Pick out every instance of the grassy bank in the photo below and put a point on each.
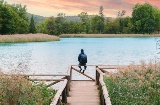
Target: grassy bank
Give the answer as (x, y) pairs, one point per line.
(15, 90)
(135, 85)
(27, 38)
(107, 35)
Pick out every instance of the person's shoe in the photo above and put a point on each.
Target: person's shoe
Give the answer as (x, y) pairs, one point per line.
(80, 70)
(83, 71)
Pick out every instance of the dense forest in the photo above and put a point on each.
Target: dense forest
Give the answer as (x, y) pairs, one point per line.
(14, 19)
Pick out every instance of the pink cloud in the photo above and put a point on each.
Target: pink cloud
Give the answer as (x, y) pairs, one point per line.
(70, 7)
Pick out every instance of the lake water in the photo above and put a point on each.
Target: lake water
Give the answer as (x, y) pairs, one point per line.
(55, 57)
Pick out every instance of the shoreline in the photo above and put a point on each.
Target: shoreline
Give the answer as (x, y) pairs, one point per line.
(106, 35)
(20, 38)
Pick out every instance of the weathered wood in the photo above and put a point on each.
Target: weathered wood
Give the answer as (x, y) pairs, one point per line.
(68, 85)
(104, 91)
(46, 79)
(97, 65)
(83, 93)
(26, 75)
(53, 83)
(109, 68)
(58, 94)
(64, 96)
(83, 74)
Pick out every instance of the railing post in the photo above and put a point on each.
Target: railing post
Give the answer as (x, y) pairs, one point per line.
(71, 73)
(68, 85)
(102, 99)
(64, 96)
(97, 76)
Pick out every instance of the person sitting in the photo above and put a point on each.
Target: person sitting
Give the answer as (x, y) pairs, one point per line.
(82, 58)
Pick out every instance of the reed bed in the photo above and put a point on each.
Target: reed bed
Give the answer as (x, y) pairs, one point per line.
(107, 35)
(135, 85)
(27, 38)
(16, 90)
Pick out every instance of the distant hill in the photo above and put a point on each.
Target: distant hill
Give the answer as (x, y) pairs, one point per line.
(36, 18)
(73, 18)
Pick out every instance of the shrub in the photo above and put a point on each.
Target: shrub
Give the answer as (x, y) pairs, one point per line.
(16, 90)
(135, 85)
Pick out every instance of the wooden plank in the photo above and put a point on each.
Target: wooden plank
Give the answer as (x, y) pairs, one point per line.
(34, 75)
(83, 74)
(58, 94)
(55, 82)
(105, 92)
(46, 79)
(97, 65)
(83, 93)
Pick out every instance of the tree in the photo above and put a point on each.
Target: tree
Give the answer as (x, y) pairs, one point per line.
(84, 19)
(59, 21)
(143, 18)
(32, 26)
(97, 24)
(157, 19)
(50, 26)
(10, 20)
(101, 13)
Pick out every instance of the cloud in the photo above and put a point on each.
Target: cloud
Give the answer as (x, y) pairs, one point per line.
(74, 7)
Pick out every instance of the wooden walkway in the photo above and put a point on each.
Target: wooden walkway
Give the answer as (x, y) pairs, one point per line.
(83, 93)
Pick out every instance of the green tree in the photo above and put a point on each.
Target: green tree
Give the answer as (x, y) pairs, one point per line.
(101, 13)
(121, 20)
(97, 24)
(143, 18)
(10, 21)
(84, 19)
(32, 26)
(50, 26)
(59, 21)
(157, 19)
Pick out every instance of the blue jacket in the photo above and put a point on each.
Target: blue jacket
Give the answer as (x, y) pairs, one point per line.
(81, 55)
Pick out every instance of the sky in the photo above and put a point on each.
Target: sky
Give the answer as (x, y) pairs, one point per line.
(49, 8)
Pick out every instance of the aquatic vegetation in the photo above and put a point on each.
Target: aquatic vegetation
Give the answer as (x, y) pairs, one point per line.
(135, 85)
(17, 90)
(27, 38)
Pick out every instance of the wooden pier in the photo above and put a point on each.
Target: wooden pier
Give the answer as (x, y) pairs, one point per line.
(83, 93)
(78, 92)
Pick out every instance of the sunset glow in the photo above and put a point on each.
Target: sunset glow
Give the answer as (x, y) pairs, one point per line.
(74, 7)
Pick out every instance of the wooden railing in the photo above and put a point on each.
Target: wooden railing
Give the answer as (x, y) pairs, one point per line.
(104, 96)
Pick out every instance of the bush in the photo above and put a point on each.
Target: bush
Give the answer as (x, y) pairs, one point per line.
(136, 85)
(16, 90)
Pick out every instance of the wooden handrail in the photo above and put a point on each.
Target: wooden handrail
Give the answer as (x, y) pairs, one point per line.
(46, 79)
(104, 97)
(104, 91)
(97, 65)
(58, 94)
(34, 75)
(83, 74)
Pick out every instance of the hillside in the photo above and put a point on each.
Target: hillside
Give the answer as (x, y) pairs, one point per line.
(37, 18)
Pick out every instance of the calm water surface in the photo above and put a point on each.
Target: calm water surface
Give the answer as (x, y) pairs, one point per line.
(55, 57)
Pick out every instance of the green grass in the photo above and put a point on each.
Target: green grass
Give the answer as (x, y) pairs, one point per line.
(15, 90)
(27, 38)
(135, 86)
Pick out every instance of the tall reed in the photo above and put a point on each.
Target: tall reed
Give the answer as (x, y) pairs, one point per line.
(135, 85)
(16, 90)
(27, 38)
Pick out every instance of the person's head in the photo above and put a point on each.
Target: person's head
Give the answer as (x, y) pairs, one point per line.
(82, 51)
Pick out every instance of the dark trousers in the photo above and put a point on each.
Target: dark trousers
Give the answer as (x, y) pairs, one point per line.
(81, 64)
